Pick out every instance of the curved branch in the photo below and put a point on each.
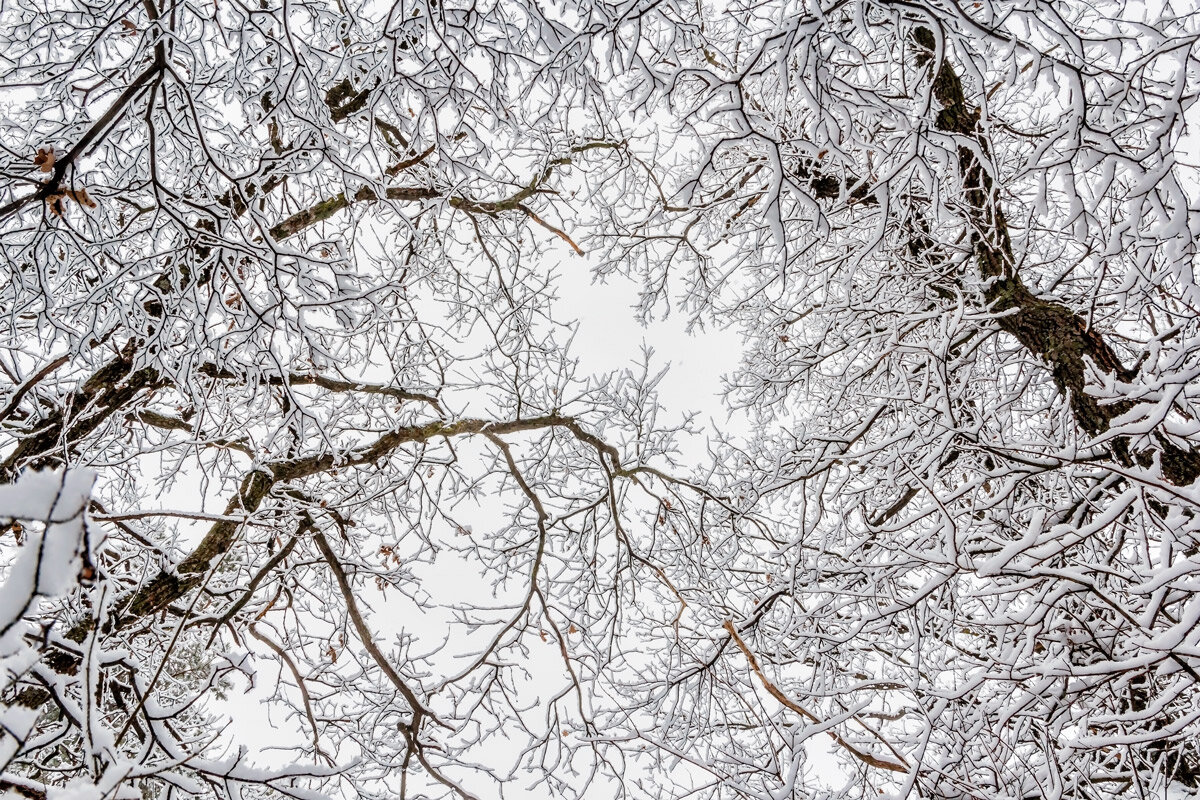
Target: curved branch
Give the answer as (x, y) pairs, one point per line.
(325, 209)
(867, 758)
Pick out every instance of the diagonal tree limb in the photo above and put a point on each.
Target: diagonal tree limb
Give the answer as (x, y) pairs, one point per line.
(1050, 330)
(869, 759)
(53, 186)
(256, 486)
(420, 712)
(418, 708)
(106, 392)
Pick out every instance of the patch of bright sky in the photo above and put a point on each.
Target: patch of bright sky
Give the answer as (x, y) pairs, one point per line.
(610, 338)
(1187, 154)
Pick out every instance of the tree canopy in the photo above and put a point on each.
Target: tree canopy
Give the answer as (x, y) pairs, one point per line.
(308, 496)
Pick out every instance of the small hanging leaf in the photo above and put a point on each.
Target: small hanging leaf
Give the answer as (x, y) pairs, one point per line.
(82, 197)
(44, 159)
(55, 201)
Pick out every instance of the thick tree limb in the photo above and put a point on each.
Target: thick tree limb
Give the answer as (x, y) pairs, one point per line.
(106, 392)
(1050, 330)
(169, 587)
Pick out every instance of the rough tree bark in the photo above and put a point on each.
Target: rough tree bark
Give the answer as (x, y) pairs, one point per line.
(1050, 330)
